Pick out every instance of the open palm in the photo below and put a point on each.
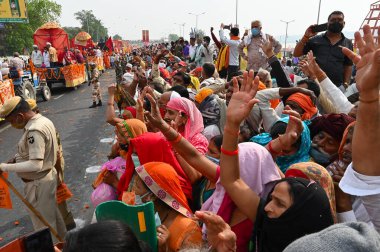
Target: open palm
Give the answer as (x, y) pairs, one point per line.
(367, 63)
(242, 100)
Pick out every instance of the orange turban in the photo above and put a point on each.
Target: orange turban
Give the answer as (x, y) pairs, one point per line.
(205, 92)
(305, 103)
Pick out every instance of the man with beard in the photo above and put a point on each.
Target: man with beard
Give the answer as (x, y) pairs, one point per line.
(327, 49)
(34, 161)
(327, 133)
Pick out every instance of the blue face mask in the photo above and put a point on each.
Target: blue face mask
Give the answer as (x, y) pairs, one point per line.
(319, 157)
(255, 31)
(138, 198)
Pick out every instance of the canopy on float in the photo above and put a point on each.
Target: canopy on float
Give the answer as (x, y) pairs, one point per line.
(53, 33)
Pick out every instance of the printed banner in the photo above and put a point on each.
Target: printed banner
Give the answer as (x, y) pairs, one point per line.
(13, 11)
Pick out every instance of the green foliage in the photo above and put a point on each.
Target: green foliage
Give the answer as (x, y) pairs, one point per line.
(18, 37)
(117, 37)
(72, 31)
(91, 24)
(173, 37)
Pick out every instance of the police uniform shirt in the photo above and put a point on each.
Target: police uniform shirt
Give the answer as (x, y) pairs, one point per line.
(38, 142)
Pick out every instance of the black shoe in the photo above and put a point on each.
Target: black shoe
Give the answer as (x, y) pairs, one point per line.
(93, 105)
(100, 103)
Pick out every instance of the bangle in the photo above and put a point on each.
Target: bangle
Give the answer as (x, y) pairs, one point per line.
(368, 101)
(231, 132)
(177, 139)
(229, 153)
(271, 150)
(110, 104)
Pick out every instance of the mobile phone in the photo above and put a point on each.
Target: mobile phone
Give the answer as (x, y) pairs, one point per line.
(228, 27)
(319, 28)
(39, 241)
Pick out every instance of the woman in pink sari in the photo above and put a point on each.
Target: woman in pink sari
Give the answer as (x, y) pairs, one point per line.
(183, 115)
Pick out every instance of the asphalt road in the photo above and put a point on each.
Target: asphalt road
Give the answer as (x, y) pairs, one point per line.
(81, 130)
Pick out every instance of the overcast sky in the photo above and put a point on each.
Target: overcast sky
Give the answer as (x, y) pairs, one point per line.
(128, 18)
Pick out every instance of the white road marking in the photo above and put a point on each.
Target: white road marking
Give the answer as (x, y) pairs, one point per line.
(56, 98)
(5, 128)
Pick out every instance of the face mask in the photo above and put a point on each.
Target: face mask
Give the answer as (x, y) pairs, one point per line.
(255, 31)
(335, 27)
(319, 157)
(214, 160)
(138, 198)
(162, 65)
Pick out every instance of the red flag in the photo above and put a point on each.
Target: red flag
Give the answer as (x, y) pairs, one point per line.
(109, 44)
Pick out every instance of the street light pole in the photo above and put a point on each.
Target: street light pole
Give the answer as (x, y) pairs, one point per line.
(236, 23)
(319, 10)
(286, 33)
(196, 18)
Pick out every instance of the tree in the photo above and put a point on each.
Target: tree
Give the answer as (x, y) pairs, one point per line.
(72, 31)
(91, 24)
(17, 37)
(117, 37)
(173, 37)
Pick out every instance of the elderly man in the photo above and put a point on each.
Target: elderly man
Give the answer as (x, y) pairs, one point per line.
(52, 55)
(327, 133)
(34, 161)
(36, 56)
(256, 58)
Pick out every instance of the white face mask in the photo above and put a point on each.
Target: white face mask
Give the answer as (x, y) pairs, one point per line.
(162, 65)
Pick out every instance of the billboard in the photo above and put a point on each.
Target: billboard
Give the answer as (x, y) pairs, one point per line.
(13, 11)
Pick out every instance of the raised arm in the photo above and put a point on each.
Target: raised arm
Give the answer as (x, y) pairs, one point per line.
(238, 109)
(335, 95)
(216, 41)
(278, 72)
(366, 139)
(299, 49)
(187, 151)
(110, 111)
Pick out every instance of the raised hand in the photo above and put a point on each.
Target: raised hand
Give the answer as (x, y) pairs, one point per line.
(219, 234)
(268, 47)
(293, 130)
(367, 63)
(154, 116)
(309, 32)
(242, 99)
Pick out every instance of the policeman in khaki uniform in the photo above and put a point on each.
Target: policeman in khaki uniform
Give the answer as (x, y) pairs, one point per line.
(34, 161)
(59, 167)
(96, 94)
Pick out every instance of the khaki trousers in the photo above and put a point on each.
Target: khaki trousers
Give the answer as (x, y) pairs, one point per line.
(41, 194)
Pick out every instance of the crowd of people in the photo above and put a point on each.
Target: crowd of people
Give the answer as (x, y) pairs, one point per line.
(254, 160)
